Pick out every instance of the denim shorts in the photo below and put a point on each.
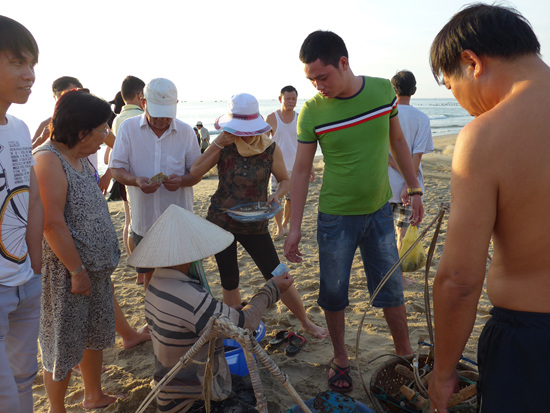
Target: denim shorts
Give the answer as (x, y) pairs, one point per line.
(338, 237)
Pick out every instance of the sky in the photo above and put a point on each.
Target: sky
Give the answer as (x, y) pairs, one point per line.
(212, 49)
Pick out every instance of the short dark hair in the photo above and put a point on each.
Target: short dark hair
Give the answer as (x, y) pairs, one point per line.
(131, 86)
(493, 31)
(404, 83)
(288, 89)
(324, 45)
(16, 38)
(61, 84)
(77, 111)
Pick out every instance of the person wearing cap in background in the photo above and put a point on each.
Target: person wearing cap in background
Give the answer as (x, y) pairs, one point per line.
(204, 136)
(246, 158)
(152, 156)
(178, 306)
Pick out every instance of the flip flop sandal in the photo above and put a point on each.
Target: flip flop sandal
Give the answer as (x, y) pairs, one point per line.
(342, 373)
(295, 344)
(280, 337)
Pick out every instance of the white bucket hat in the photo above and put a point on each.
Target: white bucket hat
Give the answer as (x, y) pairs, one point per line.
(244, 117)
(178, 237)
(162, 98)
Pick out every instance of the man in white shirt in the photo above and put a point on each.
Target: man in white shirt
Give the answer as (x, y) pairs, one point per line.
(159, 146)
(418, 134)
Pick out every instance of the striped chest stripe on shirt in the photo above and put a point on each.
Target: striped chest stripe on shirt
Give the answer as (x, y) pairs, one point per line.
(356, 120)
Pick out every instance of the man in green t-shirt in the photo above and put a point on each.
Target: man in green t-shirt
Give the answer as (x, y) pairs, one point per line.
(354, 120)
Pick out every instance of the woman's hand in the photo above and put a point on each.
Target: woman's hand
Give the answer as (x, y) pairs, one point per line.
(80, 283)
(273, 198)
(225, 139)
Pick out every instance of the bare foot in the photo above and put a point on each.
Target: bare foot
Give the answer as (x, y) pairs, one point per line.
(315, 330)
(285, 230)
(139, 280)
(135, 338)
(103, 401)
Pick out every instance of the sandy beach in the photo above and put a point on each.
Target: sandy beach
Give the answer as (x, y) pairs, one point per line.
(130, 371)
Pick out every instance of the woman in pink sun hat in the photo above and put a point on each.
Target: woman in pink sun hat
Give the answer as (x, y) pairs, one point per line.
(246, 158)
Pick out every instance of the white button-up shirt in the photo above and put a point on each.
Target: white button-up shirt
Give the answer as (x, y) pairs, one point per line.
(138, 150)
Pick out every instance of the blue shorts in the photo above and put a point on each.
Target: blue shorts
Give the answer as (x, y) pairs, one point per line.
(513, 362)
(338, 237)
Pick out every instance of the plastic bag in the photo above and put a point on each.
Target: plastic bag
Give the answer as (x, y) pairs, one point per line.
(417, 257)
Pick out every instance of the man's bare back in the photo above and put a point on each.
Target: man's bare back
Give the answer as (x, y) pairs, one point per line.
(500, 184)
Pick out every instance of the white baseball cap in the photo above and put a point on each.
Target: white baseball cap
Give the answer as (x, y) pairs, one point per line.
(162, 98)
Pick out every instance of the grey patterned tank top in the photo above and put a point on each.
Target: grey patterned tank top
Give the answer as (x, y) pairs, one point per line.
(87, 216)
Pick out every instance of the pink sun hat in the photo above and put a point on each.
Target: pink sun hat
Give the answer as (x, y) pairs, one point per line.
(244, 117)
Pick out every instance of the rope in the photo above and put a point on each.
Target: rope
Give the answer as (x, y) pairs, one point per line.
(220, 325)
(443, 209)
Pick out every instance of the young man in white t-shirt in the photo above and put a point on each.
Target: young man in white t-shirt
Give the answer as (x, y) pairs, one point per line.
(22, 222)
(418, 134)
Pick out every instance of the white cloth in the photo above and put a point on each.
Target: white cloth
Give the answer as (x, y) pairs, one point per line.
(16, 162)
(139, 151)
(286, 137)
(418, 134)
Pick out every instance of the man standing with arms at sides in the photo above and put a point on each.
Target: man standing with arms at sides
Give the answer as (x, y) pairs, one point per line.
(489, 57)
(283, 132)
(351, 117)
(22, 224)
(155, 145)
(204, 136)
(418, 134)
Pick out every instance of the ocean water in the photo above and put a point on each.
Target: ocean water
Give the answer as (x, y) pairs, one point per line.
(446, 115)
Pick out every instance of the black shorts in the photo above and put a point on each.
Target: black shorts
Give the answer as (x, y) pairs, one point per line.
(514, 365)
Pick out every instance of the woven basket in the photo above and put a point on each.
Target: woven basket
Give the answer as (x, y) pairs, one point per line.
(385, 381)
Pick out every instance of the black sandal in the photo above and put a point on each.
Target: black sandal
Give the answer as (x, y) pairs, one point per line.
(342, 373)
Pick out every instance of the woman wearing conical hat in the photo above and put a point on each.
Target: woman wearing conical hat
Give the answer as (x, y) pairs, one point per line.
(178, 306)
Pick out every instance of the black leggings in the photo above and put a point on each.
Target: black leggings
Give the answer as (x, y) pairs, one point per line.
(261, 250)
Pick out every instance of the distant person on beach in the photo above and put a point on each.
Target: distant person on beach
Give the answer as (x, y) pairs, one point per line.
(132, 94)
(80, 251)
(246, 158)
(416, 128)
(204, 136)
(179, 305)
(21, 249)
(152, 156)
(58, 86)
(489, 57)
(283, 132)
(351, 118)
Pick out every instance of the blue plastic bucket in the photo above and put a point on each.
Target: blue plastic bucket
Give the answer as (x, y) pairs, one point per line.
(235, 355)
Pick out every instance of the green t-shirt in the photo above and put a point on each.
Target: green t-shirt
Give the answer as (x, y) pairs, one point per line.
(354, 137)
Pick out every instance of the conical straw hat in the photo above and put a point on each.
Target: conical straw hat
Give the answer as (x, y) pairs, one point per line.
(178, 237)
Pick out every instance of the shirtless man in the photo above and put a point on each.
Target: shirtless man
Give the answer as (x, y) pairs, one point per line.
(286, 137)
(488, 56)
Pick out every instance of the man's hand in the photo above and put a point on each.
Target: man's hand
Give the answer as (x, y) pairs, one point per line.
(440, 391)
(405, 198)
(146, 187)
(173, 183)
(80, 284)
(284, 281)
(291, 251)
(417, 210)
